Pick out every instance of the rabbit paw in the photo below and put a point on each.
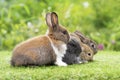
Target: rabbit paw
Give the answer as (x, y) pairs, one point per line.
(83, 61)
(80, 62)
(60, 63)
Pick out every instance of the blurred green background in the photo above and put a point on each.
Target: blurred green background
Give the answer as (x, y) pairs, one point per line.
(97, 19)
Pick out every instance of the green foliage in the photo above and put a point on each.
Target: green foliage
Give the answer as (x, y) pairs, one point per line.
(103, 68)
(22, 19)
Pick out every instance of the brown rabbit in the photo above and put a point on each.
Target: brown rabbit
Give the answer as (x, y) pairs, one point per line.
(92, 44)
(86, 54)
(42, 50)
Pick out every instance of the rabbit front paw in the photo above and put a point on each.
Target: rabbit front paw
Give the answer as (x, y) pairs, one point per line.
(60, 63)
(80, 62)
(83, 61)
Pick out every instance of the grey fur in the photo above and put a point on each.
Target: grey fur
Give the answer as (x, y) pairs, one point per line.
(72, 53)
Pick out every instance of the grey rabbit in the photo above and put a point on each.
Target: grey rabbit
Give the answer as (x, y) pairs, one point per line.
(73, 51)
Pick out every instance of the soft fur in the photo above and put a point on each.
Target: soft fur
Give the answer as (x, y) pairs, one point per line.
(92, 44)
(42, 50)
(77, 51)
(86, 54)
(72, 55)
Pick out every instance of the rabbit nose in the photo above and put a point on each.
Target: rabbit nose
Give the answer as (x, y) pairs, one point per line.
(89, 54)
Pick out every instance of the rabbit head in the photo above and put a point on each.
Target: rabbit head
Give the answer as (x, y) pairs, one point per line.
(92, 44)
(87, 53)
(56, 31)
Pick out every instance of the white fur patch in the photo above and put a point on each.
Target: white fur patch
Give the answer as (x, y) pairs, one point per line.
(59, 53)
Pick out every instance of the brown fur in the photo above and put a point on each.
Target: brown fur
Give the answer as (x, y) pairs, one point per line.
(31, 52)
(38, 50)
(92, 44)
(87, 53)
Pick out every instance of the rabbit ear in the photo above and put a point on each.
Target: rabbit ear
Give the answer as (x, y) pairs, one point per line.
(81, 36)
(48, 19)
(52, 20)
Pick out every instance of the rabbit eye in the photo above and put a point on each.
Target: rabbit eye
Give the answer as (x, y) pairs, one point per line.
(64, 32)
(89, 54)
(92, 45)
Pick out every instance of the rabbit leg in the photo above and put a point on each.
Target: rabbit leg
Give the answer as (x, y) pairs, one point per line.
(28, 58)
(20, 60)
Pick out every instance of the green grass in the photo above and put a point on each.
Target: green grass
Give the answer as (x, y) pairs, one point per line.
(106, 66)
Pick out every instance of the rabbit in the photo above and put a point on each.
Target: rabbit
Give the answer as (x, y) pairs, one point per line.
(92, 44)
(87, 54)
(45, 49)
(73, 51)
(77, 52)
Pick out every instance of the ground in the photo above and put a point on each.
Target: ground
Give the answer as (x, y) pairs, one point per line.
(106, 66)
